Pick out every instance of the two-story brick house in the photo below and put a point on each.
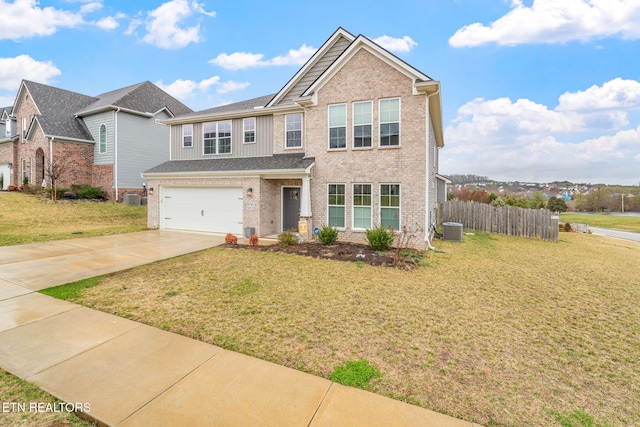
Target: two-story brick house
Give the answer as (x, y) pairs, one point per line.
(104, 140)
(351, 141)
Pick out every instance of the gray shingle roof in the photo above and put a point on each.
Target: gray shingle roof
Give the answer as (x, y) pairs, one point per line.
(275, 162)
(144, 97)
(7, 109)
(247, 105)
(57, 110)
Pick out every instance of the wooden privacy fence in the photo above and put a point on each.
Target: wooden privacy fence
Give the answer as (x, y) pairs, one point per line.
(508, 220)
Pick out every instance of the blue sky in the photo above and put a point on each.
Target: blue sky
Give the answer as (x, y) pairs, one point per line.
(536, 90)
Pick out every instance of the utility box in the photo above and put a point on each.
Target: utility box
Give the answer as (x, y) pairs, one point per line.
(132, 199)
(249, 231)
(452, 231)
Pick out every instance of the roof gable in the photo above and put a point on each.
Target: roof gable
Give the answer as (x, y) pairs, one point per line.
(314, 67)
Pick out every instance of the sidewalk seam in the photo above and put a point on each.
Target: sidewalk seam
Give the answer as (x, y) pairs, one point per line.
(320, 404)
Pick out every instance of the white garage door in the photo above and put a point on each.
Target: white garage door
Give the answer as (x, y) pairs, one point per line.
(217, 210)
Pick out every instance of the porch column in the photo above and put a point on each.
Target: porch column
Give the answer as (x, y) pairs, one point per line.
(305, 198)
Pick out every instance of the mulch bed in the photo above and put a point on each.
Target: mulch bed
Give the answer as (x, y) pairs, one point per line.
(346, 251)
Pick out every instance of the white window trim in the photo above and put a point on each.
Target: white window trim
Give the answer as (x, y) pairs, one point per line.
(353, 126)
(381, 123)
(344, 206)
(244, 130)
(217, 139)
(399, 207)
(301, 132)
(329, 127)
(353, 205)
(100, 141)
(182, 130)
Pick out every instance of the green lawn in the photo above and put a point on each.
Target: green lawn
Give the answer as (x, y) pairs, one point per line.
(28, 218)
(624, 223)
(497, 330)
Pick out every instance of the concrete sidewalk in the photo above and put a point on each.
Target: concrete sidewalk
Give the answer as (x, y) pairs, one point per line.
(131, 374)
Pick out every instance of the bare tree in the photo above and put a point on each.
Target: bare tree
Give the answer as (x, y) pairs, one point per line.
(54, 171)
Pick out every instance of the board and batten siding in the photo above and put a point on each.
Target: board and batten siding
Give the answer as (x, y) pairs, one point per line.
(142, 144)
(262, 147)
(93, 123)
(320, 67)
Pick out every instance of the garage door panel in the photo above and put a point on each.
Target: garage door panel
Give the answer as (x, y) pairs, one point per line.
(203, 209)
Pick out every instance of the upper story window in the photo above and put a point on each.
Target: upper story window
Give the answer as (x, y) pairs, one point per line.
(187, 135)
(103, 139)
(389, 122)
(249, 129)
(217, 137)
(293, 130)
(24, 128)
(362, 124)
(337, 126)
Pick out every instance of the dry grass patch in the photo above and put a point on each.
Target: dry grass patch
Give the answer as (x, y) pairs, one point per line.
(27, 218)
(497, 330)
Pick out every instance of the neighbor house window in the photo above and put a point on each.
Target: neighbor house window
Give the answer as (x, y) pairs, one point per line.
(187, 135)
(249, 128)
(390, 206)
(336, 203)
(362, 124)
(217, 137)
(389, 122)
(103, 139)
(337, 126)
(293, 130)
(362, 206)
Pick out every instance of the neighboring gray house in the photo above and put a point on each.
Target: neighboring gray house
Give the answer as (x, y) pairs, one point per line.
(352, 140)
(105, 141)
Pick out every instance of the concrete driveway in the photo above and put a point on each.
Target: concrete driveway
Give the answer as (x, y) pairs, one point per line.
(42, 265)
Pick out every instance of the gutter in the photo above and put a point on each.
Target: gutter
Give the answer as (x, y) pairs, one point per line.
(115, 152)
(429, 225)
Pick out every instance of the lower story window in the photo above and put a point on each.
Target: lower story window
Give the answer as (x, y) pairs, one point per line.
(390, 206)
(336, 203)
(362, 206)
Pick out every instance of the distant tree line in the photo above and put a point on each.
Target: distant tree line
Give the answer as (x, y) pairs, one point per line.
(599, 199)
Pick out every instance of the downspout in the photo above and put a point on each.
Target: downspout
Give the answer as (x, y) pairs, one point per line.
(51, 161)
(115, 152)
(428, 232)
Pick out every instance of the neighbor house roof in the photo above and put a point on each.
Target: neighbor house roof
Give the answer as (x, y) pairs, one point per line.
(57, 108)
(145, 98)
(5, 110)
(250, 165)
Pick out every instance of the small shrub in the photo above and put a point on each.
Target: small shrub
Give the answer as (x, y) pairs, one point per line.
(380, 238)
(25, 181)
(567, 227)
(355, 373)
(253, 241)
(12, 188)
(85, 191)
(327, 235)
(287, 238)
(59, 192)
(230, 239)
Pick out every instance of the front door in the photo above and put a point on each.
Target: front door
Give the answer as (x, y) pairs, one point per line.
(290, 208)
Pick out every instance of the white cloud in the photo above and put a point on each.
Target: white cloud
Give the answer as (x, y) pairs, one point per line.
(404, 44)
(242, 60)
(13, 70)
(108, 23)
(25, 19)
(91, 7)
(185, 89)
(617, 93)
(166, 28)
(231, 86)
(555, 21)
(582, 139)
